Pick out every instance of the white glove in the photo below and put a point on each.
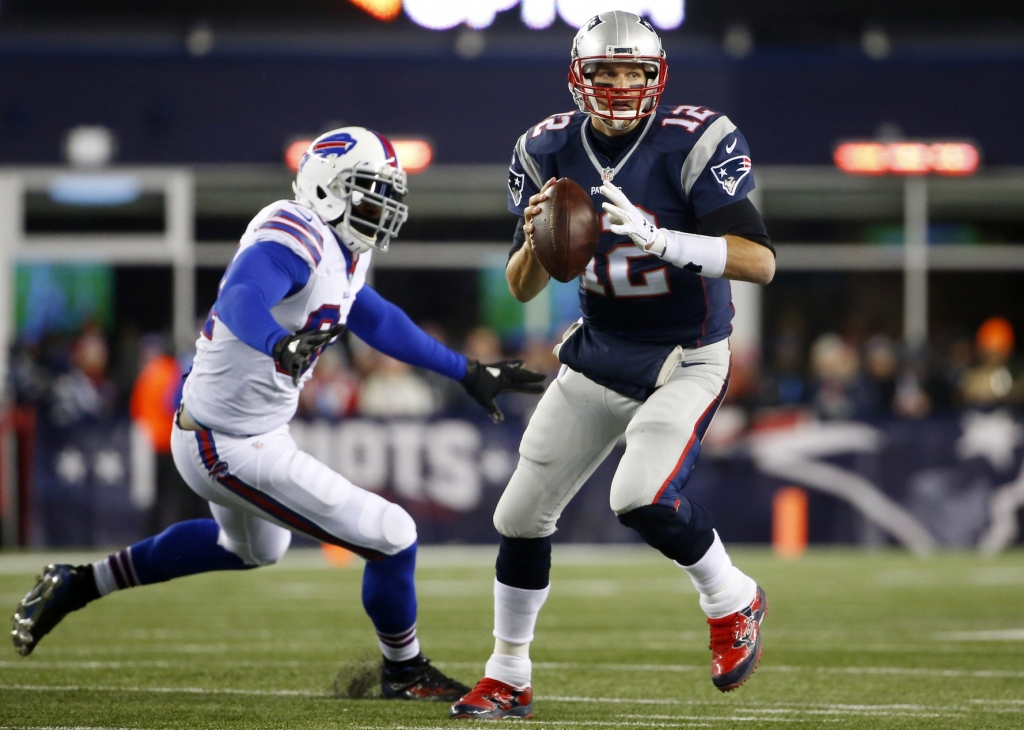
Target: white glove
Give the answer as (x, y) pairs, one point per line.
(627, 220)
(704, 255)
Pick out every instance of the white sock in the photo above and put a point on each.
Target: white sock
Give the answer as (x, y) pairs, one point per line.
(723, 587)
(515, 616)
(115, 572)
(399, 647)
(513, 670)
(515, 612)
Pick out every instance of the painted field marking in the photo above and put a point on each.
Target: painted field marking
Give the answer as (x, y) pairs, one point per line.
(992, 635)
(907, 671)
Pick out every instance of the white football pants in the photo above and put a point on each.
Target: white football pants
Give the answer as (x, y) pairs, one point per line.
(576, 424)
(262, 488)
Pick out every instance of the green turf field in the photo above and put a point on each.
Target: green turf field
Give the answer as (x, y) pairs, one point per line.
(852, 640)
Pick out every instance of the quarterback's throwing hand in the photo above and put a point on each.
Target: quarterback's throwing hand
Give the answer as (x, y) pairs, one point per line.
(294, 353)
(627, 220)
(483, 382)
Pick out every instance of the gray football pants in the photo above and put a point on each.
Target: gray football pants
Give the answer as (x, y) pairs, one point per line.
(576, 424)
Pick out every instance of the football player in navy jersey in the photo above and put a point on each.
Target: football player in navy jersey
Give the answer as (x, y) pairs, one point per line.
(650, 356)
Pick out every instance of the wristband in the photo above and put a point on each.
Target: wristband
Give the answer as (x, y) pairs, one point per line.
(704, 255)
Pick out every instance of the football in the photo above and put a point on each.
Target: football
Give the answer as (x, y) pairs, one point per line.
(565, 231)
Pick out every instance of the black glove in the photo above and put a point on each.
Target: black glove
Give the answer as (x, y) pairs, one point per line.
(294, 353)
(483, 382)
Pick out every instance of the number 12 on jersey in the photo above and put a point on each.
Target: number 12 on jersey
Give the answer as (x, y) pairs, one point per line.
(623, 272)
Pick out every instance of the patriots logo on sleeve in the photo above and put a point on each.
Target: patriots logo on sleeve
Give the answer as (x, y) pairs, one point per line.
(515, 185)
(731, 172)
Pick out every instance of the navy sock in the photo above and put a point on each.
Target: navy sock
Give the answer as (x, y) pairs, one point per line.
(182, 549)
(389, 597)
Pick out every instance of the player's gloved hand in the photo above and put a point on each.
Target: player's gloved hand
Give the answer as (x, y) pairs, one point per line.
(483, 382)
(294, 353)
(627, 220)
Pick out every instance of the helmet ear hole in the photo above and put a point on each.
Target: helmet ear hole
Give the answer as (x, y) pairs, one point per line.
(320, 192)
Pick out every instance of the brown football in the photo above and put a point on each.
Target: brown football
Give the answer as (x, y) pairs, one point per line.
(565, 231)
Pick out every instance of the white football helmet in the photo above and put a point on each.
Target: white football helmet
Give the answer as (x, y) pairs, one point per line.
(352, 179)
(619, 37)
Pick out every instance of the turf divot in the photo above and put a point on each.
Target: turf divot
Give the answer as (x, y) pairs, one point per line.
(358, 679)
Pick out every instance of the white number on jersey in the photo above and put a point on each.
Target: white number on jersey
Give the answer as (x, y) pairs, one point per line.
(697, 116)
(617, 272)
(555, 121)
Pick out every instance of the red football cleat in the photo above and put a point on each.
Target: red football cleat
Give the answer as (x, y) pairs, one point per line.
(736, 644)
(493, 700)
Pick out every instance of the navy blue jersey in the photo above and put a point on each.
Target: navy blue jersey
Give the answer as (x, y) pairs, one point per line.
(686, 162)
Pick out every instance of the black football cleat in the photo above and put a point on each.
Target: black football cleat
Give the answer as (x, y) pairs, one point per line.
(60, 590)
(417, 679)
(493, 700)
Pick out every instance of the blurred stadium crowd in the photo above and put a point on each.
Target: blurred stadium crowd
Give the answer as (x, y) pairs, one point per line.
(77, 377)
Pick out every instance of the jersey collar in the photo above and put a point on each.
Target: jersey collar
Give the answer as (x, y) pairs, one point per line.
(608, 173)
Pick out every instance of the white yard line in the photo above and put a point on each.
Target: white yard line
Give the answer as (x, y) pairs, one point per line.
(996, 635)
(897, 671)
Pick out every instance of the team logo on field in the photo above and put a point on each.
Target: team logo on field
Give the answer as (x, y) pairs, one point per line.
(515, 185)
(731, 172)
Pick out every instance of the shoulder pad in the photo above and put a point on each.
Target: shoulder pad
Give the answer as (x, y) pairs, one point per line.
(545, 138)
(293, 225)
(551, 134)
(687, 120)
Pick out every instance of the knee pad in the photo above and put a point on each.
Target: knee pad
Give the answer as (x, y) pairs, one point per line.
(683, 535)
(399, 528)
(265, 548)
(524, 562)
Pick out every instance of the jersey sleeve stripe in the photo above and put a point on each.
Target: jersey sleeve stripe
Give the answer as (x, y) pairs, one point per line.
(294, 233)
(530, 166)
(703, 151)
(313, 232)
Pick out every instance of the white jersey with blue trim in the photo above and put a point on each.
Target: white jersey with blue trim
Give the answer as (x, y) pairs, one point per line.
(236, 389)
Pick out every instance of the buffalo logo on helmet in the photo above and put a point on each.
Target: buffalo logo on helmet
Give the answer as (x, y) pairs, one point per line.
(731, 172)
(335, 144)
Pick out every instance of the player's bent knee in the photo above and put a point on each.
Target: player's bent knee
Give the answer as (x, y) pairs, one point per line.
(264, 549)
(399, 529)
(682, 534)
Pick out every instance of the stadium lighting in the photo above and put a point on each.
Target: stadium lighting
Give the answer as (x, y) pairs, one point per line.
(293, 153)
(907, 158)
(386, 10)
(415, 155)
(536, 14)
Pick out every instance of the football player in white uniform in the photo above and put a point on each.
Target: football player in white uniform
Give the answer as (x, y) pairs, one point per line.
(297, 280)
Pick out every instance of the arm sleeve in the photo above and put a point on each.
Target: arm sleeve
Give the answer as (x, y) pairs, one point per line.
(385, 327)
(736, 219)
(524, 179)
(518, 239)
(260, 277)
(718, 170)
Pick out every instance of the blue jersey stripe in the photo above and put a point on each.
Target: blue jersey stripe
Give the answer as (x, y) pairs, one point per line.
(297, 235)
(298, 220)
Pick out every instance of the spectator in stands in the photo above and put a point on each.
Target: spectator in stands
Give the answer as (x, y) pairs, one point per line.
(989, 382)
(333, 391)
(835, 369)
(783, 383)
(84, 392)
(154, 400)
(881, 365)
(392, 389)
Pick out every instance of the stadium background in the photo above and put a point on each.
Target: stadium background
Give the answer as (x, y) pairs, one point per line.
(877, 374)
